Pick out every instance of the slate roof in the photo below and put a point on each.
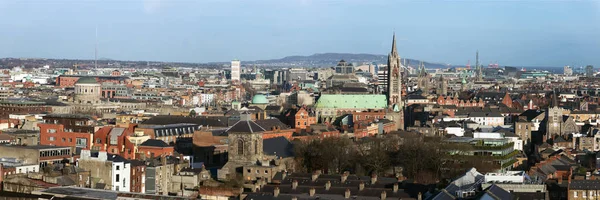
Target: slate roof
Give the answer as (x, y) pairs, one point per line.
(154, 143)
(584, 185)
(497, 193)
(267, 124)
(278, 146)
(211, 121)
(243, 126)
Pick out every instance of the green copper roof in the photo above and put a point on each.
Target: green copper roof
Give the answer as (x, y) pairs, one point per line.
(259, 99)
(366, 101)
(87, 80)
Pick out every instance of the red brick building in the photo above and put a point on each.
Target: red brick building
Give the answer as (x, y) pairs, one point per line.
(155, 148)
(67, 130)
(458, 102)
(138, 173)
(114, 140)
(22, 107)
(301, 118)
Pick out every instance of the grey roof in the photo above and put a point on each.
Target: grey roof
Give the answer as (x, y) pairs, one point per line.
(496, 192)
(87, 80)
(211, 121)
(243, 126)
(278, 146)
(267, 124)
(154, 143)
(584, 185)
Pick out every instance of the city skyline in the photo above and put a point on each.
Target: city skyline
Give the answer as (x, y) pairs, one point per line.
(512, 33)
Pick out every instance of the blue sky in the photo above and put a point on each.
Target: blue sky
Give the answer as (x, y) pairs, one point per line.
(525, 33)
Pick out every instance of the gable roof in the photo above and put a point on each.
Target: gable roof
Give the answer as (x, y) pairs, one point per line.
(154, 143)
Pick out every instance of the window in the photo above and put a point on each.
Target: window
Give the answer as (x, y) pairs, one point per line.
(117, 179)
(98, 140)
(51, 138)
(575, 194)
(81, 142)
(256, 147)
(64, 140)
(117, 167)
(51, 130)
(266, 172)
(240, 147)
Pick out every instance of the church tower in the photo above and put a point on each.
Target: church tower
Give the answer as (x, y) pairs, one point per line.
(394, 90)
(442, 88)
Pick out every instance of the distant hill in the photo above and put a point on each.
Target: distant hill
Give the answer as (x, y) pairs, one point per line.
(331, 59)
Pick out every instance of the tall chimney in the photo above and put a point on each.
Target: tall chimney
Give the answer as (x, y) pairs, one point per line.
(311, 192)
(164, 172)
(373, 178)
(294, 184)
(395, 188)
(344, 176)
(315, 175)
(383, 195)
(327, 185)
(361, 186)
(347, 194)
(276, 192)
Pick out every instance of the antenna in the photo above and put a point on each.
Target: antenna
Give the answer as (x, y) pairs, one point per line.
(96, 50)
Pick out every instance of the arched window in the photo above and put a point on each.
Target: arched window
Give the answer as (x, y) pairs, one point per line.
(255, 147)
(240, 147)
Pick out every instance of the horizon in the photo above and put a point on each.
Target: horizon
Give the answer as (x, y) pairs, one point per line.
(526, 33)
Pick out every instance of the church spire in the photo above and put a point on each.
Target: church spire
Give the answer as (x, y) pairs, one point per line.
(394, 51)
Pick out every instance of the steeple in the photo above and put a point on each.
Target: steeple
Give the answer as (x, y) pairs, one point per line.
(554, 100)
(394, 50)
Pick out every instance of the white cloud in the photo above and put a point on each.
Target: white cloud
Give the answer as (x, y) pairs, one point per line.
(152, 6)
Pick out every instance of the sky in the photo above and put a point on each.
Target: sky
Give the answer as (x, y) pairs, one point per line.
(510, 32)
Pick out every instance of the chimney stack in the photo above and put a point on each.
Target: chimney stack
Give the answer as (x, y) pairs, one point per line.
(314, 176)
(347, 194)
(383, 195)
(361, 186)
(345, 176)
(373, 178)
(311, 192)
(327, 185)
(276, 192)
(294, 184)
(395, 188)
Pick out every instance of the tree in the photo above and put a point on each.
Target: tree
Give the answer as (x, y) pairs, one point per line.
(192, 113)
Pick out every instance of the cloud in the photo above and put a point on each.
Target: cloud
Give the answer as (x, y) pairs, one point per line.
(152, 6)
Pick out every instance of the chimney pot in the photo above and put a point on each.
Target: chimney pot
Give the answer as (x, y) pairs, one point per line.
(395, 187)
(327, 185)
(294, 184)
(347, 194)
(383, 195)
(311, 192)
(361, 186)
(276, 192)
(373, 178)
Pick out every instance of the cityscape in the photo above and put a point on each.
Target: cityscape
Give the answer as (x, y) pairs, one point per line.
(337, 125)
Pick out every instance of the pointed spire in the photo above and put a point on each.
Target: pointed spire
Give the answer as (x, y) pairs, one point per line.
(394, 50)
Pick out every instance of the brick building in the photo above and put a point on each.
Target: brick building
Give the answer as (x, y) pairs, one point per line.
(67, 130)
(155, 148)
(22, 107)
(301, 118)
(70, 80)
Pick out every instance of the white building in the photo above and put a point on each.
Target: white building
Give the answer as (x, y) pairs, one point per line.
(235, 70)
(487, 118)
(121, 173)
(206, 98)
(518, 142)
